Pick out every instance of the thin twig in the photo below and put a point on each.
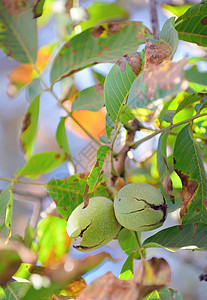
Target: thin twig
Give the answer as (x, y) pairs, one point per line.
(136, 144)
(154, 18)
(120, 166)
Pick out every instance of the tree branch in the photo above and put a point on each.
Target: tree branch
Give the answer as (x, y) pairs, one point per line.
(154, 18)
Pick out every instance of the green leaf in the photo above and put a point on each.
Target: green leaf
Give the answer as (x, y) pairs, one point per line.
(194, 75)
(98, 77)
(127, 240)
(162, 166)
(99, 44)
(118, 83)
(104, 139)
(6, 200)
(41, 163)
(29, 235)
(89, 99)
(68, 192)
(127, 271)
(188, 164)
(109, 125)
(34, 89)
(61, 137)
(170, 35)
(126, 114)
(26, 270)
(188, 236)
(200, 106)
(18, 37)
(156, 83)
(96, 170)
(177, 10)
(100, 12)
(15, 290)
(190, 100)
(191, 26)
(164, 294)
(9, 264)
(38, 8)
(44, 292)
(29, 127)
(52, 240)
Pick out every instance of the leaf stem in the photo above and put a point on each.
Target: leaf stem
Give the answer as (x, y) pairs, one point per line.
(139, 246)
(136, 144)
(113, 172)
(61, 104)
(14, 180)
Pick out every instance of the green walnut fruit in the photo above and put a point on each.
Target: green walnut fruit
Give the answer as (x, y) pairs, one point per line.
(95, 225)
(140, 207)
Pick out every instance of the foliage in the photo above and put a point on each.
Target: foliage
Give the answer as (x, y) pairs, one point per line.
(144, 91)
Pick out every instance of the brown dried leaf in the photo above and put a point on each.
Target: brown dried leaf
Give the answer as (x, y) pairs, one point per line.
(108, 287)
(134, 61)
(69, 269)
(188, 191)
(156, 52)
(167, 185)
(151, 274)
(165, 76)
(74, 288)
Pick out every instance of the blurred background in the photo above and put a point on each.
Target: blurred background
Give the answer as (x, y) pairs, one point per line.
(62, 19)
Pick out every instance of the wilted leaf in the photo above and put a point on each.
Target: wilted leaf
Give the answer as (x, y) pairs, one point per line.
(61, 137)
(29, 127)
(73, 289)
(52, 240)
(89, 99)
(189, 236)
(156, 51)
(18, 37)
(151, 274)
(188, 164)
(6, 200)
(158, 82)
(40, 163)
(98, 44)
(191, 26)
(118, 83)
